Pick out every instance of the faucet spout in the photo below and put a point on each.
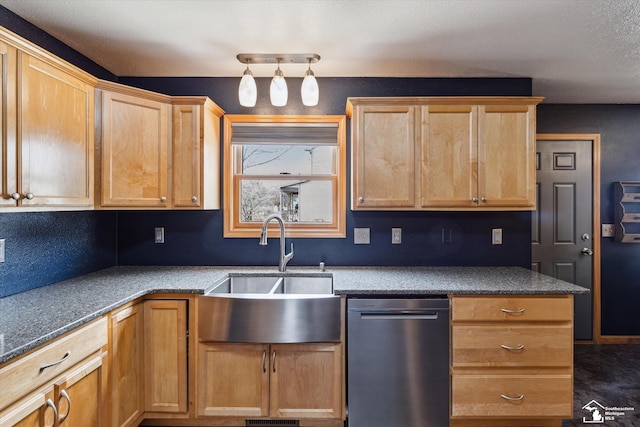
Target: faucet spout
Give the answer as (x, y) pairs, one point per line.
(284, 257)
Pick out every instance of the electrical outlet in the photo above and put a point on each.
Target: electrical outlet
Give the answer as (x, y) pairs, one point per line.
(396, 236)
(361, 236)
(496, 236)
(159, 235)
(1, 250)
(608, 230)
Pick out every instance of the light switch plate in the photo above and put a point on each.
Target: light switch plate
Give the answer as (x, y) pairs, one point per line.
(361, 236)
(159, 235)
(496, 236)
(1, 250)
(608, 230)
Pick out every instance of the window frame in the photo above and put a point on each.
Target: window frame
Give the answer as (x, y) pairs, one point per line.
(232, 225)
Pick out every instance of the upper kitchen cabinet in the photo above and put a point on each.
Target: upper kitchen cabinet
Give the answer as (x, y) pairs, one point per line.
(196, 153)
(471, 153)
(133, 147)
(157, 151)
(46, 158)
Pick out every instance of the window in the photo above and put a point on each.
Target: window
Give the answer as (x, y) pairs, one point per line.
(292, 165)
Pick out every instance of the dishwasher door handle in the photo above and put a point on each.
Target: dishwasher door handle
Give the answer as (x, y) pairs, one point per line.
(399, 315)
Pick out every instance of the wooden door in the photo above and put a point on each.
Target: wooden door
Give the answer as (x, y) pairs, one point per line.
(36, 410)
(80, 396)
(127, 366)
(56, 136)
(8, 118)
(233, 380)
(449, 156)
(506, 156)
(562, 225)
(135, 150)
(383, 149)
(306, 381)
(165, 349)
(187, 155)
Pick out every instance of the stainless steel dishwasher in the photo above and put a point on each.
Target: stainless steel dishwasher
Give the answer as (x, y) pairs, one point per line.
(398, 362)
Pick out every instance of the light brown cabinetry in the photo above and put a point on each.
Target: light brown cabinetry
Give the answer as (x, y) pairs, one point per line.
(165, 350)
(126, 366)
(134, 148)
(47, 152)
(64, 381)
(511, 360)
(295, 381)
(443, 153)
(196, 153)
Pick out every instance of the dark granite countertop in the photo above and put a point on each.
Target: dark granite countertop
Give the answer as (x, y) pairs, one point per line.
(31, 318)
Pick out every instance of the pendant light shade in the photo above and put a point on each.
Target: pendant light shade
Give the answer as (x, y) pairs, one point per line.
(247, 91)
(279, 92)
(309, 90)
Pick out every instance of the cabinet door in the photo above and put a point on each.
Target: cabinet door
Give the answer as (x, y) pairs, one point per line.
(306, 381)
(187, 155)
(80, 396)
(165, 348)
(383, 143)
(449, 156)
(8, 117)
(233, 380)
(135, 144)
(127, 369)
(36, 410)
(56, 136)
(506, 156)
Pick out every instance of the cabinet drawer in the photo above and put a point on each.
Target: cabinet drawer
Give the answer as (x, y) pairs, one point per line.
(508, 346)
(533, 396)
(26, 374)
(512, 308)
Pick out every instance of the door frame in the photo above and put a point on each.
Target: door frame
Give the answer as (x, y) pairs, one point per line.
(594, 139)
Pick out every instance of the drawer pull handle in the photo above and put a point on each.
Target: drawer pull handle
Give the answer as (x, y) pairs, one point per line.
(510, 348)
(52, 405)
(512, 399)
(65, 396)
(510, 311)
(65, 357)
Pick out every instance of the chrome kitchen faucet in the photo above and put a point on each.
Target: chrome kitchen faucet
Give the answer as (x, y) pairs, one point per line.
(284, 259)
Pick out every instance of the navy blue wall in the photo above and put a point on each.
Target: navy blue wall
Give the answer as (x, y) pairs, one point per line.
(619, 129)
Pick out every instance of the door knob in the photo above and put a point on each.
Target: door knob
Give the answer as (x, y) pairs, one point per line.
(587, 251)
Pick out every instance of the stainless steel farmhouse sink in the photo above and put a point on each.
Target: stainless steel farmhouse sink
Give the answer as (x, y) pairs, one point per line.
(270, 309)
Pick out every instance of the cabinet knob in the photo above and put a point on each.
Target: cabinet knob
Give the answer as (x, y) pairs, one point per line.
(15, 196)
(29, 196)
(483, 199)
(163, 199)
(361, 199)
(474, 199)
(194, 199)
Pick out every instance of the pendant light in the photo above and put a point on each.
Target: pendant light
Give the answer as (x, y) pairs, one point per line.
(278, 92)
(247, 91)
(309, 90)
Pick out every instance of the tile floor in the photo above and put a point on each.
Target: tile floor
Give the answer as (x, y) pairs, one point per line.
(610, 375)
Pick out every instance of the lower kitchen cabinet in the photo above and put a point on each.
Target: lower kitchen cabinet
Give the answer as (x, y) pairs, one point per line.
(511, 360)
(62, 382)
(293, 381)
(165, 360)
(126, 366)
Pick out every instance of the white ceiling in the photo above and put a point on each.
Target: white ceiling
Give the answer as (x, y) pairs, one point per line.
(576, 51)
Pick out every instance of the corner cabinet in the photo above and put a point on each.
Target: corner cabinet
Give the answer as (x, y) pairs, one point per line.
(511, 360)
(443, 153)
(157, 151)
(47, 148)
